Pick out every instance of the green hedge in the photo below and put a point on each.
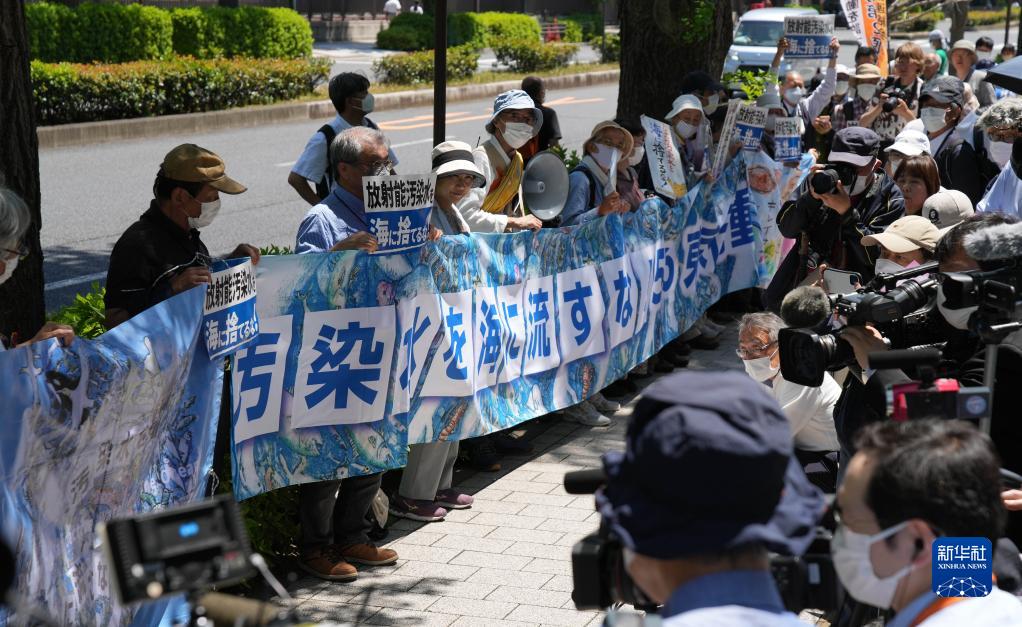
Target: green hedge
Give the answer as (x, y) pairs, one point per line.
(117, 33)
(66, 92)
(610, 54)
(417, 67)
(480, 30)
(407, 31)
(573, 31)
(590, 23)
(532, 56)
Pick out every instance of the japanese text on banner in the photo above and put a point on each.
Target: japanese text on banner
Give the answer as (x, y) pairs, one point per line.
(398, 208)
(749, 124)
(874, 28)
(229, 319)
(808, 36)
(664, 160)
(787, 139)
(727, 136)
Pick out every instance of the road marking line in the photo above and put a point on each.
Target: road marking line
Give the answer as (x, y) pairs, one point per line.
(389, 126)
(288, 164)
(85, 278)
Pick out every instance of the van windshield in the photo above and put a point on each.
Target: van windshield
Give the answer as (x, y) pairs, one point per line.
(759, 33)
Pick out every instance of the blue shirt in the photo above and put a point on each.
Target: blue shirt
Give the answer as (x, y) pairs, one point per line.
(312, 163)
(735, 597)
(577, 209)
(338, 217)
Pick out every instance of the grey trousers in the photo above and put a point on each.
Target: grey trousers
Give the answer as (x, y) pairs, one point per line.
(334, 512)
(430, 468)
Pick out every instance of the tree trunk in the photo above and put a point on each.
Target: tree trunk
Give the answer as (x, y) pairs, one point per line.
(21, 297)
(959, 15)
(662, 40)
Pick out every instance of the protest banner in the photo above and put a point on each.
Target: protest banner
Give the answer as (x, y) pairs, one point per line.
(808, 36)
(665, 166)
(106, 428)
(727, 136)
(771, 184)
(229, 319)
(398, 207)
(868, 20)
(787, 139)
(749, 123)
(853, 16)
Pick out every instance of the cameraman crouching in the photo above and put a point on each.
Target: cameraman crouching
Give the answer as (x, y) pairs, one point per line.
(840, 203)
(706, 486)
(908, 484)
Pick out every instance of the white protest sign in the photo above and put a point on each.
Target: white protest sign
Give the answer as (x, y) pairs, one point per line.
(398, 207)
(664, 160)
(749, 123)
(787, 139)
(727, 136)
(808, 36)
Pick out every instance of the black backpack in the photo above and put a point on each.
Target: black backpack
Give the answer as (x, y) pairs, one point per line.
(323, 186)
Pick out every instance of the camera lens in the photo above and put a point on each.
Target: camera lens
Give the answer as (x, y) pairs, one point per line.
(824, 181)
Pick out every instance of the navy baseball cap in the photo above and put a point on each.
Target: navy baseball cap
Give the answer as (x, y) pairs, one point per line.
(708, 466)
(944, 89)
(855, 145)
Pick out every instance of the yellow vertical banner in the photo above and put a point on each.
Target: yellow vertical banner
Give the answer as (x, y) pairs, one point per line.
(874, 26)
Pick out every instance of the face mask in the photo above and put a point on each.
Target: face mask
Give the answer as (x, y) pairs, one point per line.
(771, 121)
(841, 88)
(867, 91)
(999, 152)
(860, 184)
(207, 212)
(711, 104)
(886, 266)
(760, 369)
(958, 318)
(984, 55)
(636, 157)
(933, 119)
(604, 155)
(10, 264)
(517, 134)
(893, 165)
(794, 94)
(686, 130)
(368, 103)
(850, 551)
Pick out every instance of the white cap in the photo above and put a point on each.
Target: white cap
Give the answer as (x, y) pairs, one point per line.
(684, 103)
(843, 69)
(910, 143)
(454, 157)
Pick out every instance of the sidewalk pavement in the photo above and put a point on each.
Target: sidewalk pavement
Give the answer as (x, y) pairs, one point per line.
(507, 560)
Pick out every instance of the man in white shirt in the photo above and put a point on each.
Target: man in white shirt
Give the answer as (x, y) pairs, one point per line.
(349, 92)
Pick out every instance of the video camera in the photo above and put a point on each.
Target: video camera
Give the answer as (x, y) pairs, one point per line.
(994, 292)
(898, 304)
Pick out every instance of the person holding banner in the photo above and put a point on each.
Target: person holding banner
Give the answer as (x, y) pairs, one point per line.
(161, 254)
(498, 207)
(687, 120)
(592, 185)
(708, 91)
(794, 101)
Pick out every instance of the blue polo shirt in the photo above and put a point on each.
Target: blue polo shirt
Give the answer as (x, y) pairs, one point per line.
(735, 597)
(339, 216)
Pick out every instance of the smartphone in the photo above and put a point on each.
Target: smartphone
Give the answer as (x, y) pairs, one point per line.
(835, 281)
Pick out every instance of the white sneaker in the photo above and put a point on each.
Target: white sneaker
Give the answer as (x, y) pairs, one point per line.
(712, 326)
(604, 404)
(705, 331)
(586, 414)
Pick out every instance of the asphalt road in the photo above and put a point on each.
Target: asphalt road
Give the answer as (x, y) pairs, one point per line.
(90, 194)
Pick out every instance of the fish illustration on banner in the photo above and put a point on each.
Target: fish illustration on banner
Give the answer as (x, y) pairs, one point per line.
(229, 319)
(808, 36)
(398, 207)
(665, 166)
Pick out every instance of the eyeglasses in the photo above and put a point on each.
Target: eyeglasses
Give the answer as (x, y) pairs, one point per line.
(754, 351)
(10, 253)
(375, 167)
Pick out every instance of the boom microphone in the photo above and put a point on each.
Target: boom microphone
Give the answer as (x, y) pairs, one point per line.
(584, 481)
(1002, 241)
(805, 307)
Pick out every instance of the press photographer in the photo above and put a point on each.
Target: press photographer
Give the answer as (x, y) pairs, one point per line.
(840, 203)
(707, 485)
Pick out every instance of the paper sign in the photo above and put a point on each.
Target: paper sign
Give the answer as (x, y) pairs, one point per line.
(787, 139)
(727, 135)
(664, 160)
(398, 208)
(749, 124)
(229, 319)
(808, 36)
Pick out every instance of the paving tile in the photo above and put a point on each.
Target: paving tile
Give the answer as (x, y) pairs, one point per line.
(521, 485)
(508, 520)
(553, 458)
(523, 473)
(403, 524)
(520, 578)
(550, 477)
(475, 621)
(567, 526)
(470, 589)
(560, 583)
(458, 543)
(548, 566)
(549, 616)
(380, 579)
(463, 528)
(434, 553)
(421, 570)
(528, 535)
(498, 507)
(318, 610)
(492, 493)
(460, 515)
(538, 499)
(473, 607)
(489, 560)
(394, 600)
(420, 538)
(539, 550)
(526, 596)
(570, 539)
(391, 616)
(558, 513)
(557, 467)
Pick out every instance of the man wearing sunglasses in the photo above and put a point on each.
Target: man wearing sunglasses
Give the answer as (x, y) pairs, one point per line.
(161, 254)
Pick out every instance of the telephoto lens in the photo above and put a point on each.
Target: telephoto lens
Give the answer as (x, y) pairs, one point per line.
(824, 181)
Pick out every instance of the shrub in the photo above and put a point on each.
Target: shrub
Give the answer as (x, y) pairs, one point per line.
(407, 31)
(49, 28)
(113, 33)
(198, 33)
(480, 30)
(264, 33)
(753, 83)
(591, 24)
(85, 315)
(532, 56)
(610, 54)
(417, 67)
(984, 18)
(572, 31)
(66, 93)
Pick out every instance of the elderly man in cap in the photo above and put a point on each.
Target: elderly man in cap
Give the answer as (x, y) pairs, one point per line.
(161, 254)
(963, 67)
(947, 208)
(862, 95)
(941, 109)
(707, 486)
(498, 207)
(834, 211)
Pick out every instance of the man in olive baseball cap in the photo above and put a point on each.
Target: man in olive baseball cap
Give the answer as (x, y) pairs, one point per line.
(161, 254)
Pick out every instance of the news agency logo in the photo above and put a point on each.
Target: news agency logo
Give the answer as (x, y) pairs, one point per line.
(962, 567)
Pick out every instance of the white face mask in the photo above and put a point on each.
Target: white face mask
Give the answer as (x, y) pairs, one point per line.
(517, 134)
(760, 369)
(711, 104)
(207, 213)
(850, 551)
(10, 264)
(999, 152)
(866, 91)
(604, 156)
(933, 119)
(636, 157)
(958, 318)
(686, 130)
(860, 184)
(887, 266)
(793, 95)
(984, 55)
(841, 88)
(368, 103)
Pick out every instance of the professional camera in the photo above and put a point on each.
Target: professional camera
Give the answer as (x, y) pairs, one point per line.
(809, 581)
(825, 181)
(894, 96)
(897, 304)
(995, 292)
(930, 396)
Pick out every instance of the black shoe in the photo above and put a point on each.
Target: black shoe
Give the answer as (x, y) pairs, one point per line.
(682, 349)
(679, 361)
(662, 366)
(481, 453)
(704, 343)
(510, 445)
(620, 388)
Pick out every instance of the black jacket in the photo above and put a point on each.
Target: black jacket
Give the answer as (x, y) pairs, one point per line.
(960, 169)
(833, 236)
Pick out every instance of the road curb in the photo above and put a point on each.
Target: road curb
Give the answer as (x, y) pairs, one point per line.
(66, 135)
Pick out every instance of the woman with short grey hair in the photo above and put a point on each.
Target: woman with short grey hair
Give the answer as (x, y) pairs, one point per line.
(1002, 126)
(15, 221)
